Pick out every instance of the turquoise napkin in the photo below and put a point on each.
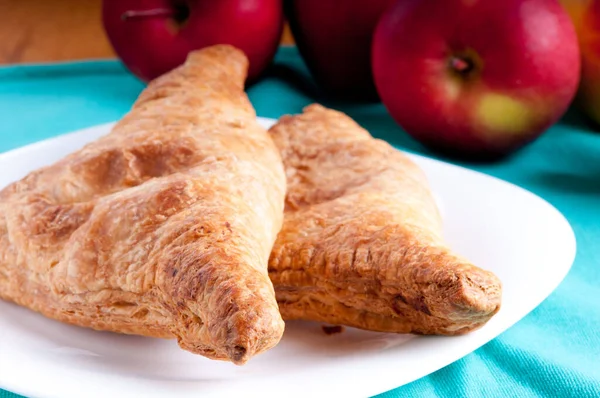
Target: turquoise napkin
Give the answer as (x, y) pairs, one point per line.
(554, 351)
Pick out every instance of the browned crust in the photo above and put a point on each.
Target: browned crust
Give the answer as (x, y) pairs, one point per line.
(164, 226)
(361, 243)
(329, 330)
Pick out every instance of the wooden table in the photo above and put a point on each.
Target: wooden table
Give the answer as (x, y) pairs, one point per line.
(55, 30)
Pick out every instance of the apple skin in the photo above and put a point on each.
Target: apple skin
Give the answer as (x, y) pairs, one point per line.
(152, 45)
(476, 79)
(334, 38)
(586, 18)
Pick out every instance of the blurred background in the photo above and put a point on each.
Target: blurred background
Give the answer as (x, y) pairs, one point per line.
(56, 30)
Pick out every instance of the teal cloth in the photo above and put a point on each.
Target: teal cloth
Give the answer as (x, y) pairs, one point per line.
(554, 351)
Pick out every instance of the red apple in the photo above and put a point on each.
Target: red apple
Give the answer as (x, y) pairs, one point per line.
(154, 36)
(334, 38)
(476, 78)
(586, 18)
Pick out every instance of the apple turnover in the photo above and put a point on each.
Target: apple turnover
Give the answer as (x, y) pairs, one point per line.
(164, 226)
(361, 244)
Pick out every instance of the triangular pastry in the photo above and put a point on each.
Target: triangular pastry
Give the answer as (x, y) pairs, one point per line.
(362, 242)
(162, 227)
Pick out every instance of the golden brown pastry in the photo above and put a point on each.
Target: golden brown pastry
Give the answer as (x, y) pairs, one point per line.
(362, 243)
(162, 227)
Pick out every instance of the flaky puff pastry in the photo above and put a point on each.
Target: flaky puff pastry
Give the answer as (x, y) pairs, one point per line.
(162, 227)
(362, 242)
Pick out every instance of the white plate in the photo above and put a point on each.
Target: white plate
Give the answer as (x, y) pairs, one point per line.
(497, 225)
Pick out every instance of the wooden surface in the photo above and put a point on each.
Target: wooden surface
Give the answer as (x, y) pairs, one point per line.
(55, 30)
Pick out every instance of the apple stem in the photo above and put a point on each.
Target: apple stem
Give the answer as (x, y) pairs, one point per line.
(461, 65)
(155, 12)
